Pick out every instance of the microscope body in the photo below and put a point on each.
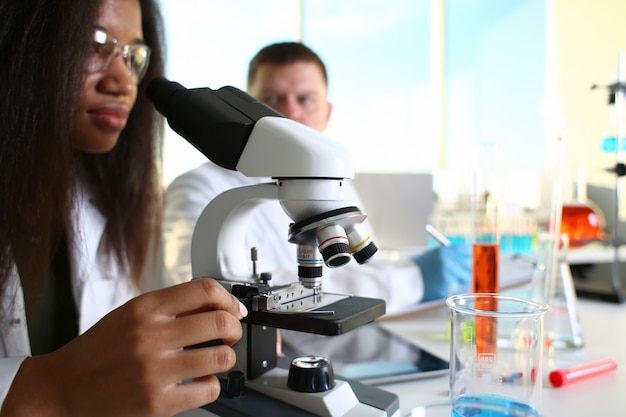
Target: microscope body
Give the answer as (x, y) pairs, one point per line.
(308, 172)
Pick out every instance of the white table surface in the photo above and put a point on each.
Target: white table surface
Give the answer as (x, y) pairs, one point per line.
(604, 332)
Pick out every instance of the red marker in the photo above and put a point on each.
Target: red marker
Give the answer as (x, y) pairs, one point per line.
(562, 377)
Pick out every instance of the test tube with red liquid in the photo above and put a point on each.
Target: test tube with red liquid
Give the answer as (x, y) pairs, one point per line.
(485, 241)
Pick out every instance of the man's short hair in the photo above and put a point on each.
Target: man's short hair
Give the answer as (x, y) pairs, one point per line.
(283, 53)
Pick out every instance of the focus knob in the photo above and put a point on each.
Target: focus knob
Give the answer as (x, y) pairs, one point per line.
(235, 384)
(311, 374)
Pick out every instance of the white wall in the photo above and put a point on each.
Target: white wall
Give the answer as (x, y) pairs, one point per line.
(589, 38)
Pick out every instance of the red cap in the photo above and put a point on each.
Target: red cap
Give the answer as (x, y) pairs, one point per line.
(558, 378)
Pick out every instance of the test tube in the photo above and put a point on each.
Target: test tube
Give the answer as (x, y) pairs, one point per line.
(485, 239)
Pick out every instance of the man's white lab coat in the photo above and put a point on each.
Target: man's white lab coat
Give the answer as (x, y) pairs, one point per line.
(98, 281)
(398, 282)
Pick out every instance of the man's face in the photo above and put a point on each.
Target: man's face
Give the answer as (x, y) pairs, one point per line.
(297, 91)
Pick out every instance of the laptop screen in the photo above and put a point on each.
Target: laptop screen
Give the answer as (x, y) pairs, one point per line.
(398, 206)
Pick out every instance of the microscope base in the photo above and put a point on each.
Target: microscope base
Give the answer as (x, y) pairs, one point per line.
(270, 394)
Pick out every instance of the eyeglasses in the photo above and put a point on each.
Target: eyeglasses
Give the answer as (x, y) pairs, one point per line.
(106, 48)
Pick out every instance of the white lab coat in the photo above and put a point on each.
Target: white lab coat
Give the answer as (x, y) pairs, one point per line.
(398, 282)
(98, 281)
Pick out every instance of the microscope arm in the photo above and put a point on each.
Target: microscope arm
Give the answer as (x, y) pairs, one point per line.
(217, 248)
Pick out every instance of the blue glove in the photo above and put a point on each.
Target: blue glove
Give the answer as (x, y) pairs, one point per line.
(446, 270)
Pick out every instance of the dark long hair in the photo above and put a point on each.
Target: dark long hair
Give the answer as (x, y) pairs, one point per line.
(43, 47)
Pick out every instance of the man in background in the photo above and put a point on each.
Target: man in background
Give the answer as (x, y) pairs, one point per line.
(292, 79)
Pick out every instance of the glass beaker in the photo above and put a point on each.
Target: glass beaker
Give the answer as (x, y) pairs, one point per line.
(552, 284)
(508, 368)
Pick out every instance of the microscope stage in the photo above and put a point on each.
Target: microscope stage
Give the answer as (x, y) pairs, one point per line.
(348, 313)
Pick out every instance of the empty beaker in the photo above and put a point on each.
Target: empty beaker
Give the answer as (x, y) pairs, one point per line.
(552, 284)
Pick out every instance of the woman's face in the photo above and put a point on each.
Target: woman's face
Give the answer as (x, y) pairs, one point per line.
(109, 94)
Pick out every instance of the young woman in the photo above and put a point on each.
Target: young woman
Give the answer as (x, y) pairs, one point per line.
(80, 207)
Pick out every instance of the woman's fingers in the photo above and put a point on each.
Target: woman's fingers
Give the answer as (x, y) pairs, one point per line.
(202, 294)
(199, 363)
(196, 394)
(202, 327)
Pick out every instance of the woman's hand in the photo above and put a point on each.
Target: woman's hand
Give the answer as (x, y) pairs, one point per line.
(133, 361)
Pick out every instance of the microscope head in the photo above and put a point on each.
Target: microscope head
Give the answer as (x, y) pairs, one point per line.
(237, 132)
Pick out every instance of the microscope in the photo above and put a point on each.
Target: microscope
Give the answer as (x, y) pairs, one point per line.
(308, 172)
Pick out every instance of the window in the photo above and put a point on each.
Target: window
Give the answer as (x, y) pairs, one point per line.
(378, 55)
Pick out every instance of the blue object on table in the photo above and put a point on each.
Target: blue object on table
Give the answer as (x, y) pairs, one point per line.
(445, 270)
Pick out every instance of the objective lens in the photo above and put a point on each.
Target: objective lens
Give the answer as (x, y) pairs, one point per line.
(333, 245)
(361, 245)
(310, 266)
